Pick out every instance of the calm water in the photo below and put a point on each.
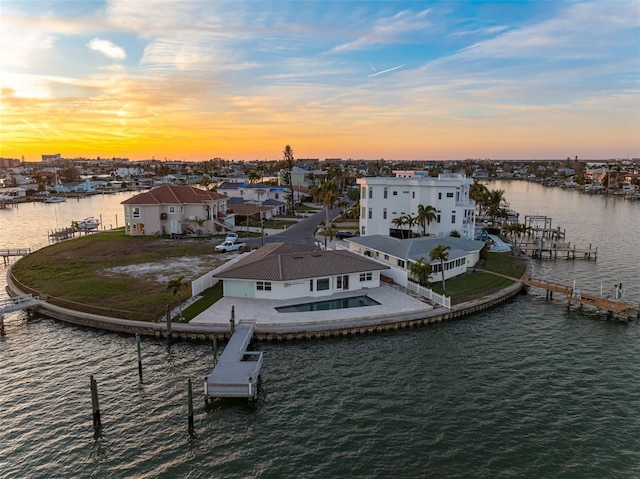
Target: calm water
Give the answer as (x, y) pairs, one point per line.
(524, 390)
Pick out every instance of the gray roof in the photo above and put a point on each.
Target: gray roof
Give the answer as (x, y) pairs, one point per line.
(288, 262)
(416, 248)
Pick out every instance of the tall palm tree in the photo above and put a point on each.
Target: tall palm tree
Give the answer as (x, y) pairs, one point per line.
(176, 285)
(426, 214)
(410, 220)
(440, 253)
(329, 199)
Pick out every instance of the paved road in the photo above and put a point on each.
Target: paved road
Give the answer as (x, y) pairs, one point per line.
(301, 232)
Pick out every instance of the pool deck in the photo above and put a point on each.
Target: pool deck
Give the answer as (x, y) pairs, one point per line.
(393, 302)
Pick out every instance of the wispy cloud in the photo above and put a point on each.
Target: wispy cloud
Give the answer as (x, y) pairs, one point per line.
(107, 48)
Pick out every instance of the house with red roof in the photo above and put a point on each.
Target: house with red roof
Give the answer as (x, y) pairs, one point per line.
(177, 209)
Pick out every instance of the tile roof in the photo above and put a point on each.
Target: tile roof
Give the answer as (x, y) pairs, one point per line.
(173, 194)
(288, 262)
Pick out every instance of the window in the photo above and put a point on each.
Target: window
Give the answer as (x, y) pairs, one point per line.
(439, 196)
(384, 213)
(172, 210)
(363, 194)
(310, 285)
(413, 194)
(401, 263)
(135, 212)
(386, 257)
(263, 285)
(453, 218)
(438, 218)
(362, 215)
(370, 192)
(370, 213)
(342, 282)
(395, 193)
(322, 284)
(449, 195)
(366, 276)
(386, 190)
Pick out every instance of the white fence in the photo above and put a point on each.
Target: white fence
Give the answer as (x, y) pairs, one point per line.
(430, 294)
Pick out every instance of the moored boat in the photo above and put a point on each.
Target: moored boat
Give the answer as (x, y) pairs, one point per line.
(89, 223)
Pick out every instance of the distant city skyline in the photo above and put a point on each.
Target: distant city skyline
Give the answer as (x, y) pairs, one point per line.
(193, 80)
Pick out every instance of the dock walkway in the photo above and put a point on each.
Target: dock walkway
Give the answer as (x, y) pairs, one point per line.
(621, 309)
(7, 253)
(235, 374)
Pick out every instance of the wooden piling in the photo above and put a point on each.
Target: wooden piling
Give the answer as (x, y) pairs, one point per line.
(215, 350)
(168, 322)
(190, 405)
(139, 356)
(97, 423)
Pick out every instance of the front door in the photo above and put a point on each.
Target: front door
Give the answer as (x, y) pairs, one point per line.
(174, 227)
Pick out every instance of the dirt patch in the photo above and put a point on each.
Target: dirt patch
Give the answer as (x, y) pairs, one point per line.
(165, 270)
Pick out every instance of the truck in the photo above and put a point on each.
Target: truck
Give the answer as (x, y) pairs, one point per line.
(229, 246)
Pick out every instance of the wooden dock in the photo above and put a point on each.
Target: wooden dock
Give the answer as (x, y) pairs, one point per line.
(7, 253)
(542, 248)
(235, 374)
(624, 311)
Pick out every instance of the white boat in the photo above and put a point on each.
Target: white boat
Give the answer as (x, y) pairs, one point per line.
(89, 223)
(54, 199)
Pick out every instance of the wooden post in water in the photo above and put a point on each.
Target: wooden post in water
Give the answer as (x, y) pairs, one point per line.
(190, 406)
(1, 323)
(215, 350)
(233, 319)
(168, 322)
(97, 423)
(139, 356)
(206, 390)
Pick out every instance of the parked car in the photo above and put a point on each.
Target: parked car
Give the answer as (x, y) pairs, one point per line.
(345, 234)
(229, 246)
(232, 237)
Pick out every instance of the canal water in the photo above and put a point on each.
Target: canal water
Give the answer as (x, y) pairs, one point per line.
(527, 389)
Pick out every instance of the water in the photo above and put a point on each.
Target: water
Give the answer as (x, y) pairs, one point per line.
(524, 390)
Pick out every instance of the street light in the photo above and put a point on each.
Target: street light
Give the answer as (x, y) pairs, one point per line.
(260, 192)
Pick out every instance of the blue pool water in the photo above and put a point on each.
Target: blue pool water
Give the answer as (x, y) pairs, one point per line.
(342, 303)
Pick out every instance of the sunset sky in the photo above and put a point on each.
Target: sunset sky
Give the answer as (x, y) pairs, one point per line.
(333, 79)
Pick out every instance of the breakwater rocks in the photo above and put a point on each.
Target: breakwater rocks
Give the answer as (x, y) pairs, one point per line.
(272, 331)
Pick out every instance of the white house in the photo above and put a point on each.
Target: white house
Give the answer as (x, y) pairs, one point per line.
(399, 254)
(288, 271)
(176, 209)
(384, 198)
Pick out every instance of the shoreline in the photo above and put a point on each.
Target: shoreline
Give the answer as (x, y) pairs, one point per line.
(276, 331)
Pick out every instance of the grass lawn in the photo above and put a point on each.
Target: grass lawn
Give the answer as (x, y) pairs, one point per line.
(116, 275)
(480, 283)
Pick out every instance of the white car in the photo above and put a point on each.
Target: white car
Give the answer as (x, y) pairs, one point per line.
(232, 237)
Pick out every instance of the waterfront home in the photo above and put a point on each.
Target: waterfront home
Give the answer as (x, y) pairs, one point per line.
(399, 254)
(176, 209)
(288, 271)
(385, 199)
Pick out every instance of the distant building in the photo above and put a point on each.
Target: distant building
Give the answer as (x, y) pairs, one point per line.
(382, 199)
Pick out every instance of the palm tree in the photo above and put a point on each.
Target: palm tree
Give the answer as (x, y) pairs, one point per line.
(420, 271)
(329, 199)
(399, 221)
(426, 214)
(176, 285)
(410, 220)
(440, 253)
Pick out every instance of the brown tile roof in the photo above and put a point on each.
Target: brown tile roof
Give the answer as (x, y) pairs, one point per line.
(173, 194)
(287, 262)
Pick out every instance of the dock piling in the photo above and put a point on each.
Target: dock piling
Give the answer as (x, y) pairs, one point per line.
(97, 423)
(190, 405)
(139, 357)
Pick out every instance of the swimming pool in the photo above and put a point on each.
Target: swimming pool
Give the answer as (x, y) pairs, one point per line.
(341, 303)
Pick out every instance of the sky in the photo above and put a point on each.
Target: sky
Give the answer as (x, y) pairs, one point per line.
(240, 80)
